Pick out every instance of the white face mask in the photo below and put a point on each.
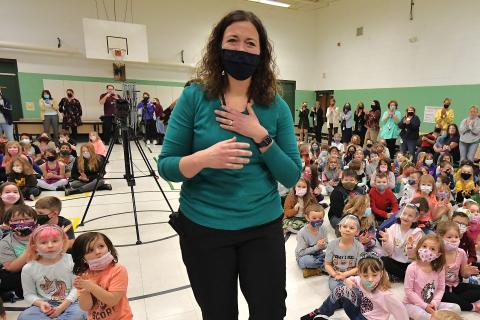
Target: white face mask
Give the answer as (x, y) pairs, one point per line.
(86, 154)
(426, 189)
(17, 169)
(300, 192)
(25, 141)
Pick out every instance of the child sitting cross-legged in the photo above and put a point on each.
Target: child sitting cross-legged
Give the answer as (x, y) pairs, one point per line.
(311, 242)
(382, 200)
(294, 208)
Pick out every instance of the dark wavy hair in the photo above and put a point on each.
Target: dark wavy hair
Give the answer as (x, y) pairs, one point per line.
(81, 247)
(209, 73)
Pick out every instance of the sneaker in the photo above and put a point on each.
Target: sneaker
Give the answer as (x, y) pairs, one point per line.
(315, 314)
(61, 188)
(70, 192)
(148, 142)
(308, 272)
(106, 186)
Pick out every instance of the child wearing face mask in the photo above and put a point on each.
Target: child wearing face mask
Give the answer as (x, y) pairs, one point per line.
(465, 186)
(366, 296)
(315, 151)
(384, 166)
(331, 174)
(322, 158)
(466, 295)
(372, 164)
(13, 254)
(47, 280)
(311, 242)
(428, 165)
(48, 212)
(10, 195)
(337, 143)
(474, 226)
(43, 143)
(53, 173)
(348, 156)
(294, 208)
(13, 151)
(410, 186)
(425, 280)
(22, 174)
(65, 138)
(343, 191)
(98, 144)
(101, 281)
(462, 218)
(427, 190)
(146, 110)
(357, 166)
(341, 259)
(66, 157)
(399, 241)
(86, 171)
(30, 149)
(445, 170)
(382, 200)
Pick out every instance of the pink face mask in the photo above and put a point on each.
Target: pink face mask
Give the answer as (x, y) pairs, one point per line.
(449, 246)
(10, 198)
(426, 255)
(101, 263)
(13, 150)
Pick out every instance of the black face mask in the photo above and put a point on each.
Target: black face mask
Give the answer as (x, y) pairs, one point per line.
(410, 114)
(42, 219)
(240, 65)
(69, 94)
(438, 130)
(146, 98)
(446, 106)
(369, 145)
(466, 175)
(51, 158)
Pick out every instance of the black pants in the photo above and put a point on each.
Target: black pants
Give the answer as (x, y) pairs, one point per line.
(217, 259)
(395, 268)
(331, 132)
(108, 128)
(347, 135)
(318, 132)
(391, 145)
(150, 130)
(11, 281)
(74, 133)
(464, 295)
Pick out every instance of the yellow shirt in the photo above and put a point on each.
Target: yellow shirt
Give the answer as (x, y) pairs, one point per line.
(444, 119)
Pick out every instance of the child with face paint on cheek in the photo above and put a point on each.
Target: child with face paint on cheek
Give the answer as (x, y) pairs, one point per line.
(366, 296)
(13, 254)
(424, 284)
(294, 208)
(466, 295)
(311, 242)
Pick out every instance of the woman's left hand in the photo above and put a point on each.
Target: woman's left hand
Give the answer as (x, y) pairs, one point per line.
(245, 124)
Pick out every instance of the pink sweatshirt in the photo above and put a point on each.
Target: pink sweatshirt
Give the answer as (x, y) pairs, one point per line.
(453, 270)
(379, 305)
(99, 147)
(395, 247)
(422, 288)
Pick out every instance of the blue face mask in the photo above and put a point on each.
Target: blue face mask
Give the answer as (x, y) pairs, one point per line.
(368, 212)
(316, 224)
(46, 97)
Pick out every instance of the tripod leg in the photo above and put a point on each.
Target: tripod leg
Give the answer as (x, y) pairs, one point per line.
(100, 175)
(152, 172)
(130, 177)
(135, 215)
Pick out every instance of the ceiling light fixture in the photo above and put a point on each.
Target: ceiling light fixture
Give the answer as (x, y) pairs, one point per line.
(272, 3)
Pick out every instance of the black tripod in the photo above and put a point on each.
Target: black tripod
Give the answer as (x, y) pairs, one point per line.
(126, 133)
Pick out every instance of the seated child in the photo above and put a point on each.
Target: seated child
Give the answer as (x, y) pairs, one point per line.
(474, 226)
(22, 174)
(425, 280)
(48, 212)
(311, 241)
(382, 200)
(341, 258)
(66, 157)
(97, 144)
(53, 172)
(346, 189)
(399, 240)
(337, 138)
(294, 208)
(356, 165)
(331, 174)
(44, 142)
(64, 137)
(462, 219)
(465, 186)
(366, 296)
(13, 255)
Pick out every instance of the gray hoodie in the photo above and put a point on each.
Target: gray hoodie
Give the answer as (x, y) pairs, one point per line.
(470, 133)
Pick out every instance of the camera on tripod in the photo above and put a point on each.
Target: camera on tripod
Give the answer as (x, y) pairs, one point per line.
(123, 110)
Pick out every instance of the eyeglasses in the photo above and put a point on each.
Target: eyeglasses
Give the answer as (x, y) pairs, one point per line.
(21, 220)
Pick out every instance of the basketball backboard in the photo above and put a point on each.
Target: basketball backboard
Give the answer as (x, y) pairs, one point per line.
(103, 36)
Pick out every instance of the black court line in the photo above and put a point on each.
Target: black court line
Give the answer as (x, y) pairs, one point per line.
(145, 296)
(120, 227)
(124, 212)
(287, 236)
(120, 193)
(150, 295)
(144, 242)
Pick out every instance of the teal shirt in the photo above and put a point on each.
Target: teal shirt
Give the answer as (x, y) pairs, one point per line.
(229, 199)
(389, 129)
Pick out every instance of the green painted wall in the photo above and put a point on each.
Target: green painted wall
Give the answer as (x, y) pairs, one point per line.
(463, 96)
(31, 86)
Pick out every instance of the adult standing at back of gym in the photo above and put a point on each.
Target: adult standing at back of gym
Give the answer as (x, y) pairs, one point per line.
(49, 113)
(230, 139)
(108, 100)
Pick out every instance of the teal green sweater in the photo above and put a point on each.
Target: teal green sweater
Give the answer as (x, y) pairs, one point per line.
(229, 199)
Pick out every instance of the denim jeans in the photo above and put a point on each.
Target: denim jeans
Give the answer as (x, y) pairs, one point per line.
(73, 312)
(312, 261)
(7, 130)
(410, 146)
(467, 151)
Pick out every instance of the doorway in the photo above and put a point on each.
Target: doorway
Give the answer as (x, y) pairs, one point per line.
(10, 87)
(287, 92)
